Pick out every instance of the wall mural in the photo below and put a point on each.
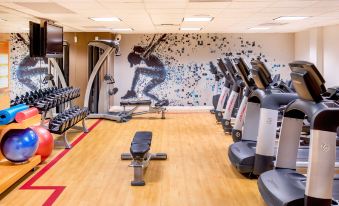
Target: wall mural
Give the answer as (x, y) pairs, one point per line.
(176, 67)
(26, 73)
(154, 69)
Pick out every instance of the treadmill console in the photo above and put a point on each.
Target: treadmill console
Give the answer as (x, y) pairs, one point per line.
(222, 67)
(260, 74)
(230, 68)
(307, 81)
(244, 72)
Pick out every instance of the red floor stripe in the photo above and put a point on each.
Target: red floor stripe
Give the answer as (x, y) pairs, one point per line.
(57, 189)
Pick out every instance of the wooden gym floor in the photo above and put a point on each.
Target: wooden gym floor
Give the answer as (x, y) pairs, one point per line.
(197, 171)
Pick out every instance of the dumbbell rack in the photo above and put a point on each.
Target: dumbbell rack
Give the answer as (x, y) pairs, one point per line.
(71, 117)
(46, 106)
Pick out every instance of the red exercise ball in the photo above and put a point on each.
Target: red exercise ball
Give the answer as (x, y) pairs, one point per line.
(46, 142)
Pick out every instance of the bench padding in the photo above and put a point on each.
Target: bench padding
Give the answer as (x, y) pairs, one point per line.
(162, 103)
(136, 103)
(141, 144)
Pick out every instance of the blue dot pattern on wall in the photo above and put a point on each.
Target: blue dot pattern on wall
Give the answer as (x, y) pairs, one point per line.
(188, 81)
(26, 73)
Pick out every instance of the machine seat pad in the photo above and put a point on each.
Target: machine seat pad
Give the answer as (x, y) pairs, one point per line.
(141, 144)
(142, 137)
(136, 103)
(162, 103)
(139, 151)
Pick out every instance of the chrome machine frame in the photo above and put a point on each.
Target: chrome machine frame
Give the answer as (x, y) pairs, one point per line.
(108, 46)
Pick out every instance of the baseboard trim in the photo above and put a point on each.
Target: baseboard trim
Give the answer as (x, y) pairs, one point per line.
(177, 109)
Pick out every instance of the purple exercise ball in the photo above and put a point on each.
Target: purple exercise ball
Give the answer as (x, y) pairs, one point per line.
(18, 145)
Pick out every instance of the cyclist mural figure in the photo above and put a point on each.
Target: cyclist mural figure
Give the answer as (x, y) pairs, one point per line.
(154, 69)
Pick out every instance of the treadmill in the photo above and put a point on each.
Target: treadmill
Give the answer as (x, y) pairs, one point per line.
(235, 96)
(217, 77)
(224, 92)
(243, 71)
(260, 124)
(284, 186)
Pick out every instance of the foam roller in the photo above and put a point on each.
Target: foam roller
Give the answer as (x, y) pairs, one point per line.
(8, 115)
(26, 114)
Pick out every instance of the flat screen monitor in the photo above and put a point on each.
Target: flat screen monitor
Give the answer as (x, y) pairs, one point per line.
(53, 40)
(36, 41)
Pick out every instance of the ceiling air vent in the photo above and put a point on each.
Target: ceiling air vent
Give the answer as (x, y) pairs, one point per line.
(272, 24)
(45, 7)
(93, 27)
(168, 24)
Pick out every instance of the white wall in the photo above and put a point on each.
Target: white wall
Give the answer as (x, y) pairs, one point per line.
(320, 46)
(308, 46)
(331, 55)
(302, 46)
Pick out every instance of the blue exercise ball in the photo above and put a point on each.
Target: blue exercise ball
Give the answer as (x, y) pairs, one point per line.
(18, 145)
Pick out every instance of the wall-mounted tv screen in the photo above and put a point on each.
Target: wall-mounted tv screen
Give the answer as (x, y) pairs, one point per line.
(36, 40)
(53, 40)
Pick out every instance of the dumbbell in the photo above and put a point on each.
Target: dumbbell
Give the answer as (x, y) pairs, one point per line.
(76, 113)
(39, 93)
(73, 93)
(31, 98)
(45, 103)
(79, 115)
(55, 98)
(65, 121)
(57, 127)
(46, 91)
(65, 96)
(15, 101)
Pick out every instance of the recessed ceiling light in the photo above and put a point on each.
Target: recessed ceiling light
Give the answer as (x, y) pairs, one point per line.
(100, 29)
(190, 28)
(123, 29)
(259, 28)
(105, 18)
(198, 19)
(290, 18)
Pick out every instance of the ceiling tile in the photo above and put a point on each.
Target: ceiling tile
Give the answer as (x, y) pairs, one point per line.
(165, 5)
(146, 15)
(208, 5)
(45, 7)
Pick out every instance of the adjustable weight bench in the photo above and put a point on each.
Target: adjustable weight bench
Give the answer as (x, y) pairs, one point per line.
(140, 156)
(159, 107)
